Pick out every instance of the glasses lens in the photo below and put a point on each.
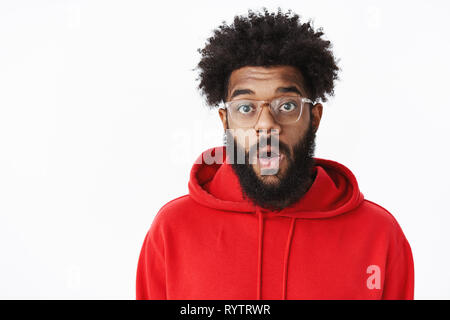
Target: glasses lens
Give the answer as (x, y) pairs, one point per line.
(243, 112)
(287, 109)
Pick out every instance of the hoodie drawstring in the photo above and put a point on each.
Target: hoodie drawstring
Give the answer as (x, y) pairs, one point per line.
(285, 260)
(286, 257)
(259, 266)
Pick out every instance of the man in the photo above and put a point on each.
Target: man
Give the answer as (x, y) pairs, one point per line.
(280, 224)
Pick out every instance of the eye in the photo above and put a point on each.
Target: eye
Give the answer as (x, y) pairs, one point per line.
(288, 107)
(245, 108)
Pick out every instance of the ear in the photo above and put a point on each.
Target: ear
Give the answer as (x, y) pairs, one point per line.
(316, 114)
(223, 117)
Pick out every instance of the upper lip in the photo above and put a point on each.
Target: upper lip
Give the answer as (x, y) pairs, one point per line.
(268, 150)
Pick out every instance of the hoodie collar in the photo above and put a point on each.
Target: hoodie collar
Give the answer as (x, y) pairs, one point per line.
(333, 192)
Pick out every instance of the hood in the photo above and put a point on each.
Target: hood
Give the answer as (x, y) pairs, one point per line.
(333, 192)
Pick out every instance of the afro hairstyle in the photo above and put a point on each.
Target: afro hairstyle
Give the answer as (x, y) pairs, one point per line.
(266, 39)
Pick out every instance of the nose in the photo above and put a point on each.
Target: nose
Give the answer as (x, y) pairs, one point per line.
(266, 121)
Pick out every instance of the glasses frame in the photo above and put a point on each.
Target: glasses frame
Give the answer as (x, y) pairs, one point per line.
(271, 103)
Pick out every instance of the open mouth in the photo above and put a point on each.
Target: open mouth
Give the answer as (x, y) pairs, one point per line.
(269, 159)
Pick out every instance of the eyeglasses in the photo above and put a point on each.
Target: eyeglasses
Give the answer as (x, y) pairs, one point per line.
(285, 110)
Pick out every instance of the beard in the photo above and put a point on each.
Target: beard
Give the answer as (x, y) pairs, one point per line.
(292, 184)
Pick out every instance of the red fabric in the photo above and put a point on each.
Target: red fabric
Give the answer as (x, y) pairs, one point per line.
(332, 244)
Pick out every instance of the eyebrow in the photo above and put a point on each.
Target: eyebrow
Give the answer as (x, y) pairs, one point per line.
(280, 89)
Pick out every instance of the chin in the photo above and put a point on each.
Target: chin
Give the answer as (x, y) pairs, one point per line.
(270, 180)
(268, 177)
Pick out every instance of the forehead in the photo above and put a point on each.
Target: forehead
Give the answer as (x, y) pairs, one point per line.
(258, 75)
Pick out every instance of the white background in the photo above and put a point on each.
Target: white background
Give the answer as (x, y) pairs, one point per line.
(100, 122)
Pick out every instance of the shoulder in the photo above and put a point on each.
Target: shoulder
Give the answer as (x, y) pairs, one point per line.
(380, 219)
(386, 226)
(175, 211)
(171, 208)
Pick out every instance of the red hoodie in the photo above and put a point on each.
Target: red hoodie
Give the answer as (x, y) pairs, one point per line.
(332, 244)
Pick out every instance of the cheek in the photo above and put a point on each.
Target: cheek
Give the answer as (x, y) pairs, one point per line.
(291, 136)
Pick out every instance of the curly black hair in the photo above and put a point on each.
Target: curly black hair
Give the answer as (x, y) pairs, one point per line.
(266, 39)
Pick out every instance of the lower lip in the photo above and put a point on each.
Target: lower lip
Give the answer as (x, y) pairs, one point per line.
(270, 163)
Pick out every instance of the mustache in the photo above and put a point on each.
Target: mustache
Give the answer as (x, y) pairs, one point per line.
(269, 141)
